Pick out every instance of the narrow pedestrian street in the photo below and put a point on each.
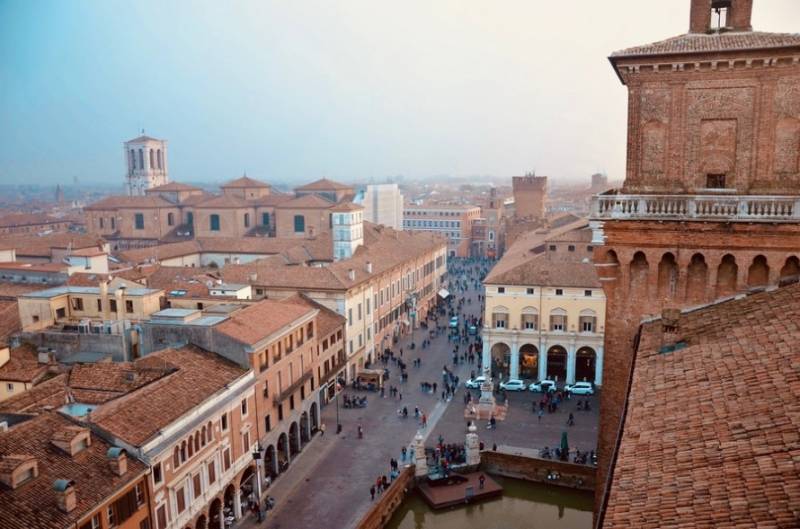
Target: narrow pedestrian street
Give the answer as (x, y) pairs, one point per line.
(330, 479)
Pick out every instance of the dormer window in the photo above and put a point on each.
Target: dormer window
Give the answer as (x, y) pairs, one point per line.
(72, 439)
(16, 469)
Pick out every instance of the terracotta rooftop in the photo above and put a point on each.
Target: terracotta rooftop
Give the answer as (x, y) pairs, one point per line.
(122, 202)
(306, 201)
(380, 249)
(319, 248)
(9, 319)
(138, 416)
(27, 219)
(347, 206)
(328, 321)
(245, 182)
(23, 366)
(527, 246)
(260, 320)
(711, 433)
(712, 43)
(41, 245)
(34, 504)
(172, 186)
(323, 184)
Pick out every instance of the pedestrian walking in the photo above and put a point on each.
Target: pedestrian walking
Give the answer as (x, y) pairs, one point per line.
(481, 480)
(372, 492)
(322, 430)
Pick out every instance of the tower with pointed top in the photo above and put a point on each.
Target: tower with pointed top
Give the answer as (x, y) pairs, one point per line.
(146, 164)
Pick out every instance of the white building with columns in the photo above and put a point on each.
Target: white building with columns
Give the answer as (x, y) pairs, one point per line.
(545, 311)
(145, 164)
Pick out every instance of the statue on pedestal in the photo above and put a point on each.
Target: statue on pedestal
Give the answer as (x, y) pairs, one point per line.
(473, 446)
(420, 459)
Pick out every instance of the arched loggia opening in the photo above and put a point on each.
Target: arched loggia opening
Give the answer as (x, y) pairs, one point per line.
(304, 429)
(791, 269)
(294, 439)
(528, 362)
(501, 360)
(697, 279)
(727, 274)
(667, 276)
(758, 273)
(557, 363)
(585, 364)
(639, 272)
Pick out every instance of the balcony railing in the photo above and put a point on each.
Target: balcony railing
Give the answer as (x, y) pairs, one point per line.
(743, 208)
(283, 395)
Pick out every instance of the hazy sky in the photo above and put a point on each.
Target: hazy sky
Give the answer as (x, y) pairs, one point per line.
(353, 90)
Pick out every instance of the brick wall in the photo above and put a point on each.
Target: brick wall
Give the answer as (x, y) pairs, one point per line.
(531, 469)
(383, 509)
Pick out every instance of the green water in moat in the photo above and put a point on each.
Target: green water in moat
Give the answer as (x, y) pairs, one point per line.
(524, 505)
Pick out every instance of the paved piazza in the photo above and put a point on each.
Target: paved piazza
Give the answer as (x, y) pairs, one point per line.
(330, 479)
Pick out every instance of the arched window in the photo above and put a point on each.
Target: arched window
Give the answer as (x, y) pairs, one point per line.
(152, 159)
(213, 220)
(170, 219)
(141, 159)
(197, 441)
(191, 447)
(183, 451)
(265, 219)
(176, 458)
(132, 161)
(246, 220)
(203, 436)
(160, 160)
(299, 224)
(500, 317)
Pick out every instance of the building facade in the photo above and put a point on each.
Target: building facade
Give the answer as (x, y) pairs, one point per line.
(545, 313)
(383, 204)
(709, 204)
(452, 222)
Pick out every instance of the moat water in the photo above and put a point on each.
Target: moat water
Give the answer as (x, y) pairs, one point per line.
(524, 505)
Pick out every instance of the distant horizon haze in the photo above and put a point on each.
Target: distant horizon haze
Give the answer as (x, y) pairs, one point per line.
(355, 91)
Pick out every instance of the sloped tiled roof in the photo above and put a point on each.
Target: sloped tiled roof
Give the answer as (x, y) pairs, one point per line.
(323, 184)
(328, 321)
(143, 138)
(523, 248)
(139, 415)
(306, 201)
(34, 504)
(23, 365)
(379, 249)
(712, 43)
(27, 219)
(9, 319)
(222, 201)
(347, 206)
(245, 182)
(547, 269)
(122, 202)
(258, 321)
(40, 245)
(172, 186)
(711, 436)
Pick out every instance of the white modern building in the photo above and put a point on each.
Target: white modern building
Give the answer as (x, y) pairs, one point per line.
(383, 204)
(146, 164)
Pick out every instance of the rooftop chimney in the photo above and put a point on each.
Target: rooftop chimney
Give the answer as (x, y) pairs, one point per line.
(65, 494)
(368, 267)
(118, 460)
(351, 274)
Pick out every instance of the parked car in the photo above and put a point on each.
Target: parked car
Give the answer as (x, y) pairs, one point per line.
(514, 384)
(473, 329)
(580, 388)
(454, 322)
(475, 383)
(543, 386)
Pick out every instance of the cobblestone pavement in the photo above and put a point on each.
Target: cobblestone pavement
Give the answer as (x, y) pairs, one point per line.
(327, 484)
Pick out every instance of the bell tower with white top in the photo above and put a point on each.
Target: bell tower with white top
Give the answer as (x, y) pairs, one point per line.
(146, 164)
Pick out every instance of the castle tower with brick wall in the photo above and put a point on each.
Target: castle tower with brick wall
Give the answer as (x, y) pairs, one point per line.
(530, 193)
(710, 206)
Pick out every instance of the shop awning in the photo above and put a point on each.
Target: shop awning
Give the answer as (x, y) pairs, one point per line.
(443, 293)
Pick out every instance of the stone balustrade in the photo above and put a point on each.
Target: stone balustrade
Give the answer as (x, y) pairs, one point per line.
(733, 208)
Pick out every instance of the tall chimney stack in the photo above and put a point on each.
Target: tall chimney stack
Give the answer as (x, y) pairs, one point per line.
(66, 499)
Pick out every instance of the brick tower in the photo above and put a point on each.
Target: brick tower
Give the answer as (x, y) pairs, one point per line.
(710, 206)
(530, 192)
